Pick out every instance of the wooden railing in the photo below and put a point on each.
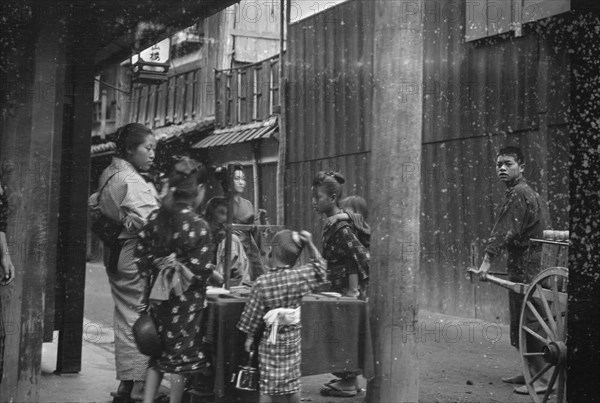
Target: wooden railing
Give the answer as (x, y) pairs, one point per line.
(247, 94)
(183, 97)
(235, 96)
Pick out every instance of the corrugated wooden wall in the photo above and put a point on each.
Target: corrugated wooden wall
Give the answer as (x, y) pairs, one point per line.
(477, 97)
(330, 92)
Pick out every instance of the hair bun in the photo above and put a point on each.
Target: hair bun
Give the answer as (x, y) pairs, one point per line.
(185, 165)
(339, 177)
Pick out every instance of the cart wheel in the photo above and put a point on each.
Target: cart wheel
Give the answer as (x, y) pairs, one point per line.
(543, 334)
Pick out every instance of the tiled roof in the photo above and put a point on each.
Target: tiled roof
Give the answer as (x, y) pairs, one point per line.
(165, 133)
(240, 134)
(104, 148)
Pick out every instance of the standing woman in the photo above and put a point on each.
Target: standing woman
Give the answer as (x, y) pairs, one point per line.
(243, 213)
(127, 198)
(347, 261)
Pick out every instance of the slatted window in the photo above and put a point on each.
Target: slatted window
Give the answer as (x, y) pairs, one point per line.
(485, 18)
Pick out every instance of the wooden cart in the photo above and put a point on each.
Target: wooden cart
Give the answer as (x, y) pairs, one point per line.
(545, 299)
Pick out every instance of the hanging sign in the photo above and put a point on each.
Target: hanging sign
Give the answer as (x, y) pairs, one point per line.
(151, 65)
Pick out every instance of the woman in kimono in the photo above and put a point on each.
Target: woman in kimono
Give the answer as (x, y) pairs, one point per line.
(175, 251)
(347, 261)
(243, 213)
(126, 198)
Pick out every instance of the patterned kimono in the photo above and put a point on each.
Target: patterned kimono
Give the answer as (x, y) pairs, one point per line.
(282, 287)
(179, 318)
(345, 255)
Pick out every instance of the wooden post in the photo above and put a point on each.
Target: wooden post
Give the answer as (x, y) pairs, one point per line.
(103, 115)
(73, 207)
(31, 152)
(280, 179)
(583, 314)
(395, 198)
(256, 176)
(229, 196)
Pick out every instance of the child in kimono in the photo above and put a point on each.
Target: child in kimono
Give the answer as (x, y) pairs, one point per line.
(355, 210)
(175, 251)
(275, 299)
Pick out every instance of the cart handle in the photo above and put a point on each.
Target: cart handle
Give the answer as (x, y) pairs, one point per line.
(519, 288)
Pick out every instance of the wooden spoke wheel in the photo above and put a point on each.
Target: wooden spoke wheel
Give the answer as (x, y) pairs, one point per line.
(543, 335)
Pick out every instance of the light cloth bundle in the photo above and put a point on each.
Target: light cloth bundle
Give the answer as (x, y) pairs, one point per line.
(172, 276)
(280, 316)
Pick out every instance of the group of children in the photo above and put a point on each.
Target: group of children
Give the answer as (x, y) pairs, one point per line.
(175, 253)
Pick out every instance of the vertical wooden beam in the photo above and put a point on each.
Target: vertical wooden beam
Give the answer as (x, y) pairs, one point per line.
(281, 163)
(256, 175)
(31, 154)
(73, 209)
(583, 316)
(395, 198)
(103, 115)
(229, 196)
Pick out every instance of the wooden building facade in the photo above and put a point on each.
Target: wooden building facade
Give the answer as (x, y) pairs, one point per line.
(477, 93)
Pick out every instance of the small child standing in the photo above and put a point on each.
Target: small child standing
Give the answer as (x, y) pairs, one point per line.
(355, 210)
(275, 298)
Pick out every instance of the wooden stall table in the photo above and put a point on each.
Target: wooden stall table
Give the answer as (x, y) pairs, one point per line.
(335, 337)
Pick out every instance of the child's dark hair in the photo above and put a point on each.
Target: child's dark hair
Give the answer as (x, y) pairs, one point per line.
(184, 179)
(221, 174)
(512, 151)
(129, 137)
(331, 183)
(286, 246)
(212, 205)
(357, 203)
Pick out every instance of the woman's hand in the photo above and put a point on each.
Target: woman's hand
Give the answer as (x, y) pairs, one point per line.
(164, 262)
(216, 279)
(8, 270)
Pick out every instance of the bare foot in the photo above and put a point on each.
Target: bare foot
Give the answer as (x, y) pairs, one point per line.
(125, 387)
(137, 392)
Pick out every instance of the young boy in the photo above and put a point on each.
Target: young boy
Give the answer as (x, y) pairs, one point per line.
(355, 210)
(275, 298)
(522, 215)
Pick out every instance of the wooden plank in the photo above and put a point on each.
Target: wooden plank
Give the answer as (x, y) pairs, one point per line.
(151, 111)
(143, 108)
(188, 107)
(180, 91)
(351, 103)
(74, 193)
(327, 92)
(161, 106)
